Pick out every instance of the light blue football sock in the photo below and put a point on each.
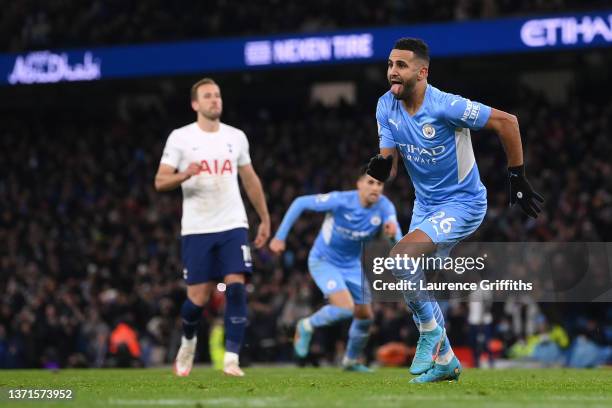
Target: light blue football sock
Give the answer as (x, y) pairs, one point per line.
(418, 300)
(423, 311)
(358, 337)
(328, 315)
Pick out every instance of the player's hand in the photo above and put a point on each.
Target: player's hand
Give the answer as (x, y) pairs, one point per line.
(191, 170)
(390, 229)
(263, 233)
(379, 167)
(277, 246)
(522, 193)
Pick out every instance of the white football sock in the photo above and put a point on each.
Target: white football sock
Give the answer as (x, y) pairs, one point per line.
(189, 342)
(429, 326)
(230, 358)
(348, 361)
(307, 325)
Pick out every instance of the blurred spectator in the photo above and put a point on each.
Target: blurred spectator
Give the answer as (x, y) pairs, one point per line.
(30, 24)
(480, 320)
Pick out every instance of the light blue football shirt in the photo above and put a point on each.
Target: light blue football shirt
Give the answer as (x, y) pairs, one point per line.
(347, 224)
(435, 145)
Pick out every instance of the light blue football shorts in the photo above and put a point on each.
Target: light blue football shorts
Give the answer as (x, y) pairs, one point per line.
(331, 278)
(447, 224)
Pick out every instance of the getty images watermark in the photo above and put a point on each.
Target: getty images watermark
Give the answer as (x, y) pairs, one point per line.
(406, 269)
(542, 271)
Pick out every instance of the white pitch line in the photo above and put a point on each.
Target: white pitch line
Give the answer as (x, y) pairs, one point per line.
(407, 397)
(227, 401)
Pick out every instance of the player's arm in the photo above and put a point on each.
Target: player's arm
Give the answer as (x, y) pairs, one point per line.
(506, 126)
(167, 178)
(254, 190)
(464, 113)
(391, 228)
(315, 202)
(384, 165)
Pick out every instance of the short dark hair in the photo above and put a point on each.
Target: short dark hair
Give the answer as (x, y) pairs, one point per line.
(362, 171)
(416, 45)
(194, 87)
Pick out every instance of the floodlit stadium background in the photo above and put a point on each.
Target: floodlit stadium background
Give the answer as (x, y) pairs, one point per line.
(86, 243)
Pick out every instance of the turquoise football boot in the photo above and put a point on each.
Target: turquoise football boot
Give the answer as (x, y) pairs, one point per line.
(439, 372)
(301, 340)
(357, 368)
(427, 350)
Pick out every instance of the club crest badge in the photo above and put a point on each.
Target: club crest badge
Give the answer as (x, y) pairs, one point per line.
(428, 131)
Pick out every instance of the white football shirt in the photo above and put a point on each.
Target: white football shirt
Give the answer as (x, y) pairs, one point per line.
(211, 199)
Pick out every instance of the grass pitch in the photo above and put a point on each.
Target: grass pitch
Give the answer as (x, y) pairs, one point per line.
(309, 387)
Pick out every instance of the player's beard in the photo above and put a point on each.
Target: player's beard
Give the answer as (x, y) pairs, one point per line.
(372, 198)
(211, 115)
(407, 88)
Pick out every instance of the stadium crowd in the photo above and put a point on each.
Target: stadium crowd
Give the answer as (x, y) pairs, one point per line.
(36, 24)
(90, 266)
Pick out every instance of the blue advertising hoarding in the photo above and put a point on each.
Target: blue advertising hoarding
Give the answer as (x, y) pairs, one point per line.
(511, 35)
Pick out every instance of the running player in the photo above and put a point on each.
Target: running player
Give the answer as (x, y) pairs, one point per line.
(352, 218)
(205, 159)
(430, 129)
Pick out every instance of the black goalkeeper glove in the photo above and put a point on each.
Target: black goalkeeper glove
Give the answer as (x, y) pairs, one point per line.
(379, 167)
(522, 193)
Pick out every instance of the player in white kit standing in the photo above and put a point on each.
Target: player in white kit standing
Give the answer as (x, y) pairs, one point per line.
(205, 159)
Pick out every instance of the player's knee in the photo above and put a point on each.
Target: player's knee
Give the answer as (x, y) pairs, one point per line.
(346, 304)
(198, 299)
(413, 245)
(234, 278)
(198, 295)
(349, 307)
(395, 250)
(403, 249)
(342, 299)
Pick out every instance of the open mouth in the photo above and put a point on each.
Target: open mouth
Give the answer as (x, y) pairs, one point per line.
(396, 86)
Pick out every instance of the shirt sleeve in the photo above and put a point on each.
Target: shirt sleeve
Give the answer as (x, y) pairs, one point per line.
(172, 154)
(315, 202)
(244, 157)
(461, 112)
(385, 137)
(389, 214)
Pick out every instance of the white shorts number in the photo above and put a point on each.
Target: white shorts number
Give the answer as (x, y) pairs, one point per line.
(438, 221)
(246, 254)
